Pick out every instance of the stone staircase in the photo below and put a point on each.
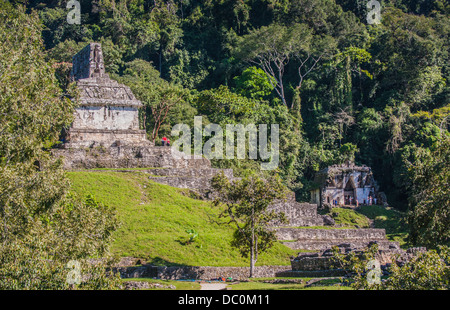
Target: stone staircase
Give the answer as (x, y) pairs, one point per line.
(298, 214)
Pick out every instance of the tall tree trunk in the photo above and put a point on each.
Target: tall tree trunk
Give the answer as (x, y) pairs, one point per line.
(296, 108)
(252, 246)
(160, 62)
(252, 259)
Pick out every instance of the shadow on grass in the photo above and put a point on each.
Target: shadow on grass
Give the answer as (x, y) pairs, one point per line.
(160, 262)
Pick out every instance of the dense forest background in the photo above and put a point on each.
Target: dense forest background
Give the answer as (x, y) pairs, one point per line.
(340, 89)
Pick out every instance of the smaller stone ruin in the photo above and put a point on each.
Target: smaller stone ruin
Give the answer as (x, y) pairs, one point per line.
(346, 185)
(106, 132)
(108, 111)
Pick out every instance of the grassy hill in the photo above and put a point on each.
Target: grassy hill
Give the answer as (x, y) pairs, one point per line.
(155, 218)
(393, 221)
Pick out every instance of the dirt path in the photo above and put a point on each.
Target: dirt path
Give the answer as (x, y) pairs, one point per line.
(212, 286)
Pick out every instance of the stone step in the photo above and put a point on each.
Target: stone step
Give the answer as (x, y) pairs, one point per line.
(322, 239)
(294, 209)
(178, 172)
(330, 234)
(314, 245)
(305, 221)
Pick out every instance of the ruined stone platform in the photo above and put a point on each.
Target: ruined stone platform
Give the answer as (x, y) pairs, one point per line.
(322, 263)
(126, 156)
(198, 179)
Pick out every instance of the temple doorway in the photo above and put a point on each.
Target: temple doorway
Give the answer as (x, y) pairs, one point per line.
(349, 193)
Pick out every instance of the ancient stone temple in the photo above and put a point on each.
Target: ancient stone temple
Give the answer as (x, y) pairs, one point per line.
(106, 132)
(345, 184)
(108, 111)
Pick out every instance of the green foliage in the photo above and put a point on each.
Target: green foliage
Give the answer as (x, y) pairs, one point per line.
(333, 83)
(427, 270)
(348, 151)
(271, 47)
(42, 226)
(390, 219)
(243, 204)
(163, 101)
(349, 218)
(193, 234)
(430, 209)
(254, 83)
(356, 264)
(223, 106)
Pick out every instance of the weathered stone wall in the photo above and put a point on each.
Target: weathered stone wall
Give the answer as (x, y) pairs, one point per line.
(201, 273)
(312, 262)
(338, 182)
(86, 64)
(298, 214)
(195, 179)
(323, 261)
(88, 138)
(107, 111)
(104, 92)
(194, 183)
(330, 234)
(106, 117)
(313, 245)
(126, 156)
(190, 172)
(321, 239)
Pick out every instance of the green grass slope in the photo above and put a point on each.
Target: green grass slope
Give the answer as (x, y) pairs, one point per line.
(393, 221)
(154, 219)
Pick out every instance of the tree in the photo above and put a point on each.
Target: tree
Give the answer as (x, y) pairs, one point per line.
(243, 204)
(164, 15)
(429, 180)
(412, 54)
(355, 264)
(271, 48)
(223, 106)
(254, 83)
(428, 270)
(167, 96)
(158, 100)
(343, 118)
(42, 226)
(348, 151)
(425, 271)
